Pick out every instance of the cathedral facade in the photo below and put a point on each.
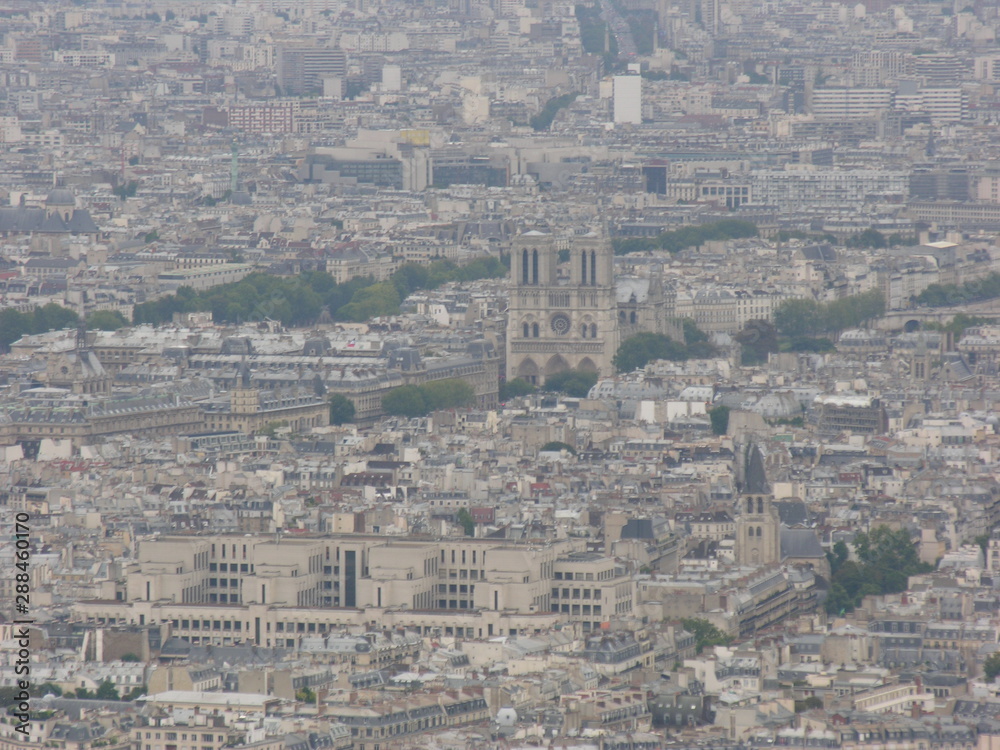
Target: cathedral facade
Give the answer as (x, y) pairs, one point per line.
(556, 324)
(572, 315)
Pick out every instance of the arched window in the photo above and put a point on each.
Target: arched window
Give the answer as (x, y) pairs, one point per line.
(534, 266)
(632, 317)
(621, 315)
(593, 268)
(749, 505)
(524, 266)
(593, 330)
(760, 505)
(750, 531)
(759, 531)
(583, 330)
(534, 330)
(525, 330)
(583, 268)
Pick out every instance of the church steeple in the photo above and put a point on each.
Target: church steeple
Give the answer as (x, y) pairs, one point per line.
(758, 526)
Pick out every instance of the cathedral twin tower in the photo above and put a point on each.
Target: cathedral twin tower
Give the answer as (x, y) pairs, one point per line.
(558, 323)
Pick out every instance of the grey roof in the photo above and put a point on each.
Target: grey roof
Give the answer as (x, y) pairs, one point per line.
(60, 197)
(25, 220)
(756, 474)
(792, 512)
(800, 543)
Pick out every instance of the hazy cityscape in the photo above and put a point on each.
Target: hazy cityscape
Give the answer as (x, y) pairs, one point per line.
(499, 374)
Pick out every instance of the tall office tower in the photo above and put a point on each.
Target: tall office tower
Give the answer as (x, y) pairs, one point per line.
(552, 326)
(301, 70)
(627, 94)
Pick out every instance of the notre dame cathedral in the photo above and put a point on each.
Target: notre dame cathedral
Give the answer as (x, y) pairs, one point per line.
(574, 314)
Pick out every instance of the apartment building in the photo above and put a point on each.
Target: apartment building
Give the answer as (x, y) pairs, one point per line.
(376, 722)
(301, 70)
(846, 103)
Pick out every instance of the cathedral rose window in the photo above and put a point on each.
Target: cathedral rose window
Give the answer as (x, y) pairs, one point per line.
(560, 324)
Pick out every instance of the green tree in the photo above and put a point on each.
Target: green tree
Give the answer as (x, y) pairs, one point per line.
(705, 633)
(637, 351)
(983, 540)
(544, 119)
(991, 667)
(515, 388)
(576, 383)
(151, 236)
(405, 401)
(452, 393)
(838, 556)
(48, 688)
(107, 691)
(885, 560)
(130, 657)
(341, 409)
(871, 237)
(692, 333)
(797, 317)
(466, 522)
(757, 340)
(128, 190)
(555, 445)
(719, 417)
(806, 704)
(84, 694)
(106, 320)
(13, 325)
(306, 695)
(803, 318)
(685, 237)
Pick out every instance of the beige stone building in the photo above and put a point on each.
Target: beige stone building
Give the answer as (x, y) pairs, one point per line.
(273, 591)
(589, 588)
(555, 324)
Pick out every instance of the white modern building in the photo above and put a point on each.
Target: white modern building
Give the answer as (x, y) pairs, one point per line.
(628, 99)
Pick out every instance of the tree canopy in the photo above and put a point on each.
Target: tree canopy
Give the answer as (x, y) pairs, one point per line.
(298, 300)
(806, 317)
(419, 400)
(467, 523)
(637, 351)
(690, 236)
(719, 417)
(341, 409)
(757, 339)
(576, 383)
(106, 320)
(544, 119)
(885, 560)
(514, 388)
(946, 295)
(705, 633)
(51, 317)
(405, 401)
(991, 667)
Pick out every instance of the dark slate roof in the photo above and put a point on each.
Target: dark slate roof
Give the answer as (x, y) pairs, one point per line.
(792, 512)
(24, 220)
(800, 543)
(756, 475)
